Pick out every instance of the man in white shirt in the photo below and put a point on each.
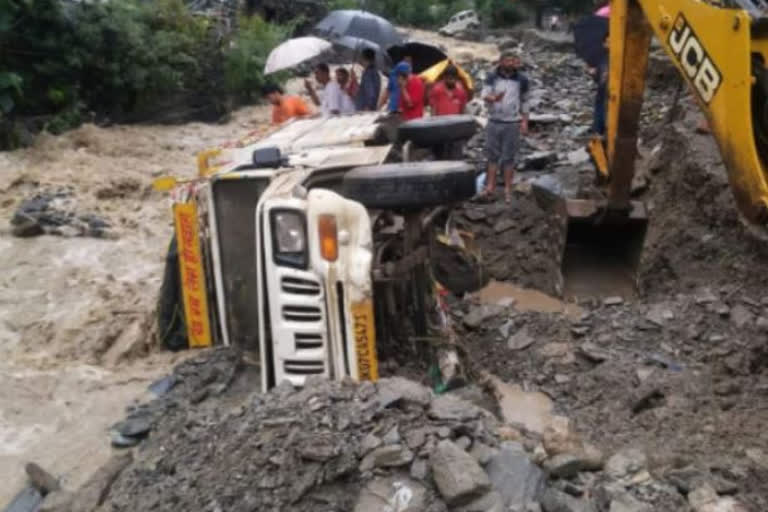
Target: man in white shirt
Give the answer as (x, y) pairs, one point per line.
(331, 98)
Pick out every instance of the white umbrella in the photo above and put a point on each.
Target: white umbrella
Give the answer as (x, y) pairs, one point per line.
(295, 51)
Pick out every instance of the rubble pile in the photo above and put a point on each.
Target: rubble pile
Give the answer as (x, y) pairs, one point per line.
(330, 446)
(55, 212)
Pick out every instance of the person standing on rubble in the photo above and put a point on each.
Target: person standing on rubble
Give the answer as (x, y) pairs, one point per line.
(367, 98)
(411, 93)
(448, 96)
(505, 91)
(600, 75)
(391, 95)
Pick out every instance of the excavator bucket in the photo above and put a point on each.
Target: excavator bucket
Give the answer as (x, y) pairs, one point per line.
(601, 248)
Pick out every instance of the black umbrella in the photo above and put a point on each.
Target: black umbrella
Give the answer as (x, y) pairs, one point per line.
(424, 55)
(352, 47)
(588, 36)
(358, 24)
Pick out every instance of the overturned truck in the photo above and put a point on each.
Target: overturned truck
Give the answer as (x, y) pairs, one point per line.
(324, 245)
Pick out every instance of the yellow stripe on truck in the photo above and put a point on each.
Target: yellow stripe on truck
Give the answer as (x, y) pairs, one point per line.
(193, 286)
(365, 340)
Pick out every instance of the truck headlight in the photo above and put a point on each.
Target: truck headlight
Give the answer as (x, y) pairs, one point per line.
(289, 238)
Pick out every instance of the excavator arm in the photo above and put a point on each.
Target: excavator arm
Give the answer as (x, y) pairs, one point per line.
(721, 52)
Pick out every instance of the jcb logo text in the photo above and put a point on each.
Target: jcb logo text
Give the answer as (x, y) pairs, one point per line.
(693, 58)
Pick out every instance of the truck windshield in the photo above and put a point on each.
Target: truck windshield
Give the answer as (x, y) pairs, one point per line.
(235, 203)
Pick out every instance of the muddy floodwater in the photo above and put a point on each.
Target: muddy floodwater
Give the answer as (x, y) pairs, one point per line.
(525, 299)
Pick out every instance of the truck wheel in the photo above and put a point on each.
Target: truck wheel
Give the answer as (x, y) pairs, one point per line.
(410, 186)
(431, 131)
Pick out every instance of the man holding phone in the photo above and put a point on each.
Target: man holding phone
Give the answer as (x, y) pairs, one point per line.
(505, 91)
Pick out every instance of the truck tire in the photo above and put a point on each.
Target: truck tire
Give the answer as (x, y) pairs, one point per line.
(410, 186)
(431, 131)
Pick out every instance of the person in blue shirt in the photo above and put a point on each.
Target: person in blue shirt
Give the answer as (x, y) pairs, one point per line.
(391, 96)
(367, 98)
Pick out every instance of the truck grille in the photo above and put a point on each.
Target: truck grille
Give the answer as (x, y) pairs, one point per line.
(300, 367)
(305, 341)
(298, 286)
(302, 313)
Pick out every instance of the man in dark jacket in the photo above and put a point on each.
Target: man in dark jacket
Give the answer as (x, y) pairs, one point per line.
(370, 83)
(505, 91)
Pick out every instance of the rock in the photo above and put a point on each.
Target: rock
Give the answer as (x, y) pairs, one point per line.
(370, 442)
(91, 495)
(482, 453)
(762, 324)
(387, 457)
(27, 228)
(504, 225)
(419, 469)
(40, 479)
(578, 157)
(564, 465)
(531, 411)
(479, 314)
(489, 502)
(558, 501)
(163, 385)
(415, 438)
(28, 500)
(520, 340)
(741, 316)
(646, 398)
(449, 408)
(138, 426)
(395, 389)
(705, 499)
(555, 350)
(475, 215)
(593, 352)
(515, 476)
(392, 437)
(543, 118)
(705, 296)
(57, 501)
(464, 443)
(318, 449)
(118, 440)
(458, 477)
(392, 494)
(539, 159)
(689, 478)
(613, 301)
(758, 456)
(626, 463)
(625, 502)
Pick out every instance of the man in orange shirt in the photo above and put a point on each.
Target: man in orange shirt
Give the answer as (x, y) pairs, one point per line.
(284, 107)
(448, 96)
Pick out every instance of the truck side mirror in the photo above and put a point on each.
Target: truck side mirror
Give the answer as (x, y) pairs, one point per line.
(267, 158)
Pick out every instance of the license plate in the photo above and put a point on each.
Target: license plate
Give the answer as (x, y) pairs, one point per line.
(365, 340)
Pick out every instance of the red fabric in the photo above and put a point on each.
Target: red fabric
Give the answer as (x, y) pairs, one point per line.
(415, 88)
(445, 101)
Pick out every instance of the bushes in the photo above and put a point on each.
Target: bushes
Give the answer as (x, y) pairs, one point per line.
(248, 53)
(126, 60)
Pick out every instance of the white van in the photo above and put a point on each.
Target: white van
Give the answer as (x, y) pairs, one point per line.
(459, 22)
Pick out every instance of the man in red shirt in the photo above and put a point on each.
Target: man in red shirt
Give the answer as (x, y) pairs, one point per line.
(411, 92)
(448, 96)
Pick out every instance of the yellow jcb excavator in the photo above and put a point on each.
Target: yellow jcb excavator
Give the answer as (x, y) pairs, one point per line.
(721, 50)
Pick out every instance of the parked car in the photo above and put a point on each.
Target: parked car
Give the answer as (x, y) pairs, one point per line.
(460, 22)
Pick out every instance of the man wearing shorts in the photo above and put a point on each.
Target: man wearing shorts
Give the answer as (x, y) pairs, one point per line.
(505, 91)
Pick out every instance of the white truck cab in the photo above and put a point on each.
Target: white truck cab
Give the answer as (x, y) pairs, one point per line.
(278, 253)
